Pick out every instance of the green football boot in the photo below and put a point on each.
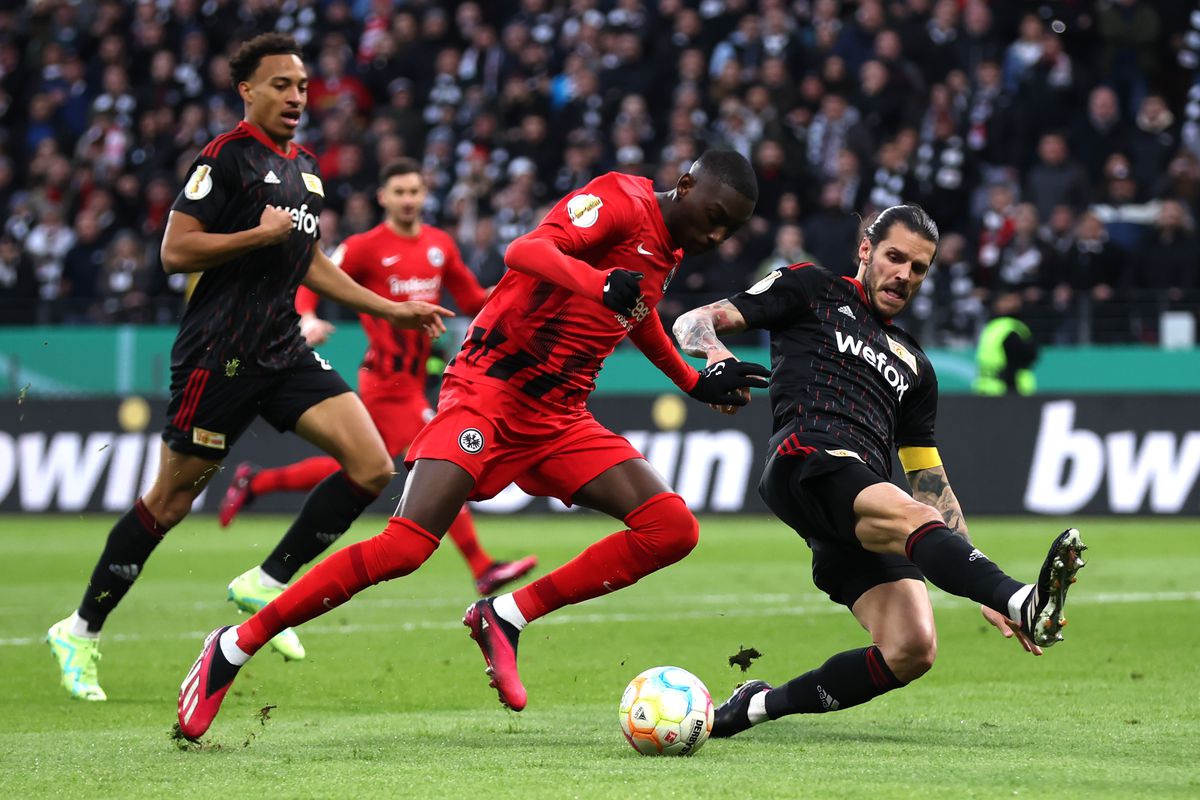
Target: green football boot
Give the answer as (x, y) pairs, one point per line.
(249, 595)
(77, 657)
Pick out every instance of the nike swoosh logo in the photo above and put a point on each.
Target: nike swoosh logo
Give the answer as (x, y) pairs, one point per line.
(387, 262)
(641, 248)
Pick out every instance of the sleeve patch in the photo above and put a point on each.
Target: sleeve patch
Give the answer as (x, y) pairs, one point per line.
(765, 283)
(313, 183)
(584, 210)
(200, 183)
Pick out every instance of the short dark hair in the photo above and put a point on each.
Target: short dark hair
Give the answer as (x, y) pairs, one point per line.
(252, 52)
(730, 168)
(401, 166)
(911, 216)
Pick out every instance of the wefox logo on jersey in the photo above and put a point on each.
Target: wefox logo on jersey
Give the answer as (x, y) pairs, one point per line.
(846, 343)
(302, 220)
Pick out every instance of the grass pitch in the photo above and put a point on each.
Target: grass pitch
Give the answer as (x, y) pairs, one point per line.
(392, 701)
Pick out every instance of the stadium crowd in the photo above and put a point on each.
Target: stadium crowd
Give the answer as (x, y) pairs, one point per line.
(1057, 144)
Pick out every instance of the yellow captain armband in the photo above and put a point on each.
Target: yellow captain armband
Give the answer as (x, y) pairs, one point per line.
(915, 458)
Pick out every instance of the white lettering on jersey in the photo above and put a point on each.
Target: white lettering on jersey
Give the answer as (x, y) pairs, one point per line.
(426, 289)
(303, 221)
(890, 374)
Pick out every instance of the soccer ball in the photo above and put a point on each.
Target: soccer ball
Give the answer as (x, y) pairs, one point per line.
(666, 711)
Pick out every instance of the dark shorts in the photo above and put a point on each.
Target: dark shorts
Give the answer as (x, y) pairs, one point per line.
(816, 499)
(209, 410)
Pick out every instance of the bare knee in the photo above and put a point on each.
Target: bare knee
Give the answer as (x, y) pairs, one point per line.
(372, 471)
(169, 506)
(910, 655)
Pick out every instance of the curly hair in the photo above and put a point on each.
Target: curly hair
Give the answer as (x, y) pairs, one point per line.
(252, 52)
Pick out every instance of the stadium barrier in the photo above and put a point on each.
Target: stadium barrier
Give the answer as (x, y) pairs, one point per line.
(1121, 454)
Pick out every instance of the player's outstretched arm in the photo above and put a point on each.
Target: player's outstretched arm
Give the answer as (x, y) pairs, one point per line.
(696, 331)
(187, 247)
(327, 280)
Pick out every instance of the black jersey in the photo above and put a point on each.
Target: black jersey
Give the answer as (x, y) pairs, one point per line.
(840, 376)
(241, 315)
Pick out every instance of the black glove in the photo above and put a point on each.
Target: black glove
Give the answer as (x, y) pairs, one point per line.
(621, 291)
(719, 383)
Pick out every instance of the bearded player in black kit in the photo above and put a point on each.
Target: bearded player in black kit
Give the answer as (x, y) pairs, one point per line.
(847, 386)
(246, 220)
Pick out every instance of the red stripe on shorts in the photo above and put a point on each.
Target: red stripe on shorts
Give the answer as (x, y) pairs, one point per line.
(191, 399)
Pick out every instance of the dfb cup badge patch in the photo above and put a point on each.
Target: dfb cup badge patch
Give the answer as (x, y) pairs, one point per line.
(200, 184)
(471, 441)
(584, 210)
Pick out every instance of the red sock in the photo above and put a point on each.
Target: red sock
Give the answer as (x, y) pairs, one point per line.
(462, 532)
(400, 549)
(661, 531)
(298, 477)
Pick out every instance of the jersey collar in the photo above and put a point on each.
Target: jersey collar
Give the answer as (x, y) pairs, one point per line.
(259, 134)
(862, 293)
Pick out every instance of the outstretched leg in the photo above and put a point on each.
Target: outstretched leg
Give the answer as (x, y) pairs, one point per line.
(74, 641)
(904, 644)
(432, 497)
(891, 521)
(661, 530)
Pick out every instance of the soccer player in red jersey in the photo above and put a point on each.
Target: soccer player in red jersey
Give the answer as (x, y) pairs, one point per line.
(512, 410)
(400, 259)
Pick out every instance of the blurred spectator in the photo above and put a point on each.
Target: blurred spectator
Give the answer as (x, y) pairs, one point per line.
(1101, 132)
(1057, 179)
(48, 243)
(1165, 268)
(126, 280)
(82, 266)
(1129, 33)
(1083, 284)
(789, 249)
(18, 284)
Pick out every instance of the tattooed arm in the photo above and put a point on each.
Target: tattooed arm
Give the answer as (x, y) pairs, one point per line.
(932, 488)
(696, 331)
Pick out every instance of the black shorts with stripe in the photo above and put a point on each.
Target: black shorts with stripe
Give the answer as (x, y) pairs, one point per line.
(210, 409)
(812, 490)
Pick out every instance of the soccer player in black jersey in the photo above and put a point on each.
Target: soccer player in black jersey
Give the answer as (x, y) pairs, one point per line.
(246, 220)
(847, 386)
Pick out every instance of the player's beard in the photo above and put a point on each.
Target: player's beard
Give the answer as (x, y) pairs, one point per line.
(872, 288)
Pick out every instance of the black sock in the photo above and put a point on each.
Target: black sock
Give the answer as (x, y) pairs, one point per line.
(330, 508)
(952, 564)
(129, 544)
(845, 680)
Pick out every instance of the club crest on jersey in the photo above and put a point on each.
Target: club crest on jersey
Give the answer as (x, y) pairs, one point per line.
(584, 210)
(901, 352)
(436, 257)
(765, 283)
(208, 438)
(200, 184)
(313, 183)
(471, 441)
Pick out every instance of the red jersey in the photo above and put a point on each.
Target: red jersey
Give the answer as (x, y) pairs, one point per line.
(547, 342)
(403, 268)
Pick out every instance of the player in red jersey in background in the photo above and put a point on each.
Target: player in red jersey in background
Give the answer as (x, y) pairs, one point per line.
(400, 259)
(512, 410)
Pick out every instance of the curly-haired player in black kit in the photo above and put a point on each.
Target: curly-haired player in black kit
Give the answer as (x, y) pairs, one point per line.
(847, 387)
(246, 220)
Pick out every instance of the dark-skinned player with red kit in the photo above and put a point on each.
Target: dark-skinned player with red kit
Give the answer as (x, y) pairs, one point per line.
(513, 410)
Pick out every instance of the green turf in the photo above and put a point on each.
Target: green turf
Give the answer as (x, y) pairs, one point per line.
(392, 701)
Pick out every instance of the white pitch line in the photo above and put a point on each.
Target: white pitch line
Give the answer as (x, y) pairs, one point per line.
(604, 618)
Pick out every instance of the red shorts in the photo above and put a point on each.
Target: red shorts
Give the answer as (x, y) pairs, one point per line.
(501, 439)
(398, 407)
